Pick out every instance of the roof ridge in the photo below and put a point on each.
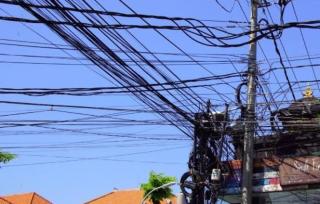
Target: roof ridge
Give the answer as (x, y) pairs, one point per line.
(32, 194)
(113, 191)
(104, 195)
(2, 198)
(36, 194)
(15, 194)
(32, 197)
(128, 189)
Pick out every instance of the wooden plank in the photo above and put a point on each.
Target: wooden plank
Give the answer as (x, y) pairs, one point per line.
(300, 170)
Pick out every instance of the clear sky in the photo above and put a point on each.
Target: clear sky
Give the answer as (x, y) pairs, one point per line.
(74, 163)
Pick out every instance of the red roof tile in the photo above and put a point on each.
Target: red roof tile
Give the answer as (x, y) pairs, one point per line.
(131, 196)
(26, 198)
(4, 201)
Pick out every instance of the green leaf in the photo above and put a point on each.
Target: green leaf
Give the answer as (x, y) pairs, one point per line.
(156, 180)
(6, 157)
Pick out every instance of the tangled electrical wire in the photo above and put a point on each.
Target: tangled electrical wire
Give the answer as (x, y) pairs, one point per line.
(81, 25)
(195, 29)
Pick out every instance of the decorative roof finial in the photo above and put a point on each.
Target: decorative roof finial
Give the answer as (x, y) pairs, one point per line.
(308, 93)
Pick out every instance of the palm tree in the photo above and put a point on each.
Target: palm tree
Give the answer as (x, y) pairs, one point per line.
(6, 157)
(157, 180)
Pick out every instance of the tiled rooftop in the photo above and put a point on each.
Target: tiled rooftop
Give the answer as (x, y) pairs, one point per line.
(26, 198)
(130, 196)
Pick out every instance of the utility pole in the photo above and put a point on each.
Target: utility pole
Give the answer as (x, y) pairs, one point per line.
(248, 140)
(198, 195)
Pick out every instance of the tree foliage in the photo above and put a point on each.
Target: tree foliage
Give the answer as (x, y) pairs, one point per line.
(156, 180)
(6, 157)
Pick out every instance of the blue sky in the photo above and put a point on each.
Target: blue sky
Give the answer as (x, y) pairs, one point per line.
(74, 167)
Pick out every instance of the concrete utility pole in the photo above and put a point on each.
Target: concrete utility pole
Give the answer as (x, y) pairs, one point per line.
(251, 103)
